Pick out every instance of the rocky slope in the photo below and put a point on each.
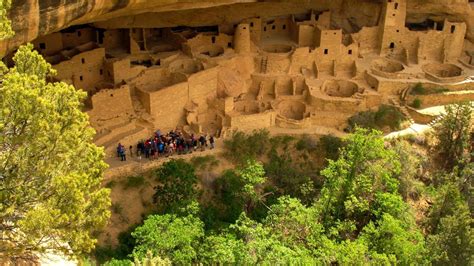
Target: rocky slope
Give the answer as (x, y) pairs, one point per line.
(33, 18)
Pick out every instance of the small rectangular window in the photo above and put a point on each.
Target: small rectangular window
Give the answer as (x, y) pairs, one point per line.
(42, 45)
(213, 39)
(284, 27)
(349, 52)
(453, 29)
(251, 24)
(392, 45)
(229, 44)
(326, 51)
(101, 72)
(396, 5)
(273, 27)
(80, 78)
(264, 28)
(83, 60)
(79, 33)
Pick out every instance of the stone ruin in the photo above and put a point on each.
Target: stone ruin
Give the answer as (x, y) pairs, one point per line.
(295, 71)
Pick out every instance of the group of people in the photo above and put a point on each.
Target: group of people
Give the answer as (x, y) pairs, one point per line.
(174, 142)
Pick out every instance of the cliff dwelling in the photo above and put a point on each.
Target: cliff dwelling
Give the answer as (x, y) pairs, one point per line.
(288, 68)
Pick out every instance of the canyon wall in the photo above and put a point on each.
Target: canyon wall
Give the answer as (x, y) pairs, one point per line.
(33, 18)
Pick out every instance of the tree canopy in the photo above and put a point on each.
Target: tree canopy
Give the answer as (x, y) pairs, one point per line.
(359, 217)
(176, 188)
(6, 30)
(453, 133)
(51, 172)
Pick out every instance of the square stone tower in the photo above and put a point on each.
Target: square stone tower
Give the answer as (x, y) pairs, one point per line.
(392, 25)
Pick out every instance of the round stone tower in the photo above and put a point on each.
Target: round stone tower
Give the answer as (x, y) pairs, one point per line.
(242, 38)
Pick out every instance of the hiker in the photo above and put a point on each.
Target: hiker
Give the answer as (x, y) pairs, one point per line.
(147, 149)
(193, 143)
(161, 148)
(173, 142)
(119, 148)
(202, 141)
(140, 149)
(211, 141)
(189, 145)
(122, 153)
(181, 144)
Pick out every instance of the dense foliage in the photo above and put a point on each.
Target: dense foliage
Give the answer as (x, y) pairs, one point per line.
(6, 30)
(359, 214)
(51, 172)
(453, 133)
(386, 118)
(419, 89)
(176, 188)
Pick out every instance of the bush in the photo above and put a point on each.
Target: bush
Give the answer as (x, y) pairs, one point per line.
(242, 146)
(385, 116)
(306, 143)
(331, 145)
(420, 90)
(389, 116)
(228, 188)
(134, 182)
(121, 251)
(416, 103)
(362, 119)
(176, 187)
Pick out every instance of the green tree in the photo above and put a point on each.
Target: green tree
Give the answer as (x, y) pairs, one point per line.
(229, 188)
(293, 223)
(262, 246)
(410, 161)
(453, 242)
(360, 200)
(242, 147)
(170, 236)
(451, 239)
(6, 30)
(365, 169)
(453, 132)
(148, 260)
(288, 177)
(222, 249)
(394, 241)
(176, 189)
(253, 177)
(51, 172)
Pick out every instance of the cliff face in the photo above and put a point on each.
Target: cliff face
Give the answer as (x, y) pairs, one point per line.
(453, 10)
(33, 18)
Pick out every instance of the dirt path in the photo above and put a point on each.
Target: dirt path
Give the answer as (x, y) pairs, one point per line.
(134, 166)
